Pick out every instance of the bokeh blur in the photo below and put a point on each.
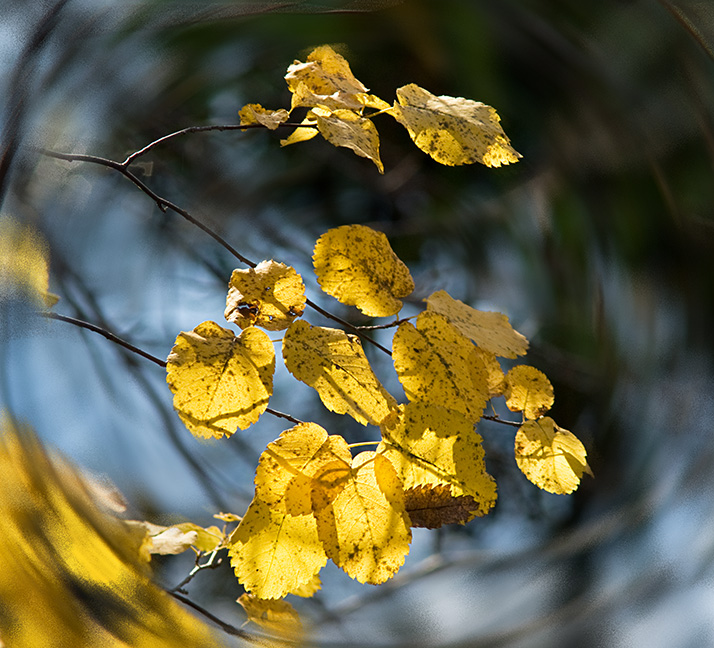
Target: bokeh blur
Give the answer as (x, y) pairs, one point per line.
(598, 244)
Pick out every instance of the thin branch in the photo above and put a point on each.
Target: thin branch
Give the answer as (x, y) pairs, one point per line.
(211, 563)
(226, 627)
(498, 419)
(292, 419)
(384, 326)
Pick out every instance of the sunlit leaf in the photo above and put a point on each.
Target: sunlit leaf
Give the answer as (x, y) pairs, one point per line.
(334, 364)
(256, 114)
(453, 130)
(302, 133)
(495, 378)
(431, 445)
(275, 553)
(552, 458)
(490, 330)
(528, 390)
(346, 128)
(365, 528)
(436, 364)
(431, 506)
(309, 589)
(283, 479)
(356, 265)
(276, 616)
(271, 296)
(220, 381)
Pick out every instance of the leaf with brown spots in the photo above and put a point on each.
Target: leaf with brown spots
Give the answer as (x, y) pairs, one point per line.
(431, 507)
(256, 114)
(275, 616)
(529, 391)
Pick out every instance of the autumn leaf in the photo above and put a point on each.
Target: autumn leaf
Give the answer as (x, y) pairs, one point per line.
(432, 506)
(364, 528)
(453, 130)
(436, 364)
(356, 265)
(275, 616)
(432, 445)
(306, 131)
(284, 477)
(552, 458)
(220, 381)
(334, 365)
(495, 378)
(271, 296)
(256, 114)
(490, 330)
(274, 553)
(529, 391)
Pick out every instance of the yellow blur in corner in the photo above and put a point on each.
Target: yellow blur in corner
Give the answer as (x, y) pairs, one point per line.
(72, 574)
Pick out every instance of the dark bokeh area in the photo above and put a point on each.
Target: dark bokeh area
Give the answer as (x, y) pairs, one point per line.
(598, 244)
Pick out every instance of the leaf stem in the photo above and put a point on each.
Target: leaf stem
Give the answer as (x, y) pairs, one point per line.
(211, 563)
(498, 419)
(363, 443)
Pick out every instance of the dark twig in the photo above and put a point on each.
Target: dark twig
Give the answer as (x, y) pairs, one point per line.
(384, 326)
(226, 627)
(497, 419)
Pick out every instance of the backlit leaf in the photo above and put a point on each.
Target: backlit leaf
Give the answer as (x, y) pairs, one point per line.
(453, 130)
(274, 553)
(552, 458)
(365, 528)
(302, 133)
(356, 265)
(431, 506)
(529, 391)
(495, 377)
(220, 381)
(276, 616)
(346, 128)
(309, 589)
(335, 366)
(431, 445)
(490, 330)
(271, 296)
(283, 479)
(256, 114)
(436, 364)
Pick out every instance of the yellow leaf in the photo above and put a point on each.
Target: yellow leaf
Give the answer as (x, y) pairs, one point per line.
(275, 553)
(334, 365)
(302, 133)
(276, 616)
(436, 364)
(431, 445)
(207, 539)
(432, 506)
(283, 479)
(453, 130)
(495, 377)
(308, 589)
(72, 575)
(24, 269)
(552, 458)
(365, 528)
(529, 391)
(346, 128)
(490, 330)
(256, 114)
(220, 381)
(356, 265)
(271, 296)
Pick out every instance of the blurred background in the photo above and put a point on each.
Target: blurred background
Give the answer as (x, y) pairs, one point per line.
(599, 246)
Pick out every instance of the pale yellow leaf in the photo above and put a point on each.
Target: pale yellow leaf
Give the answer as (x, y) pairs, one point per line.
(495, 377)
(274, 553)
(334, 364)
(356, 265)
(432, 445)
(453, 130)
(365, 528)
(308, 589)
(346, 128)
(271, 296)
(276, 616)
(283, 478)
(490, 330)
(172, 540)
(256, 114)
(528, 390)
(220, 381)
(207, 539)
(552, 458)
(436, 364)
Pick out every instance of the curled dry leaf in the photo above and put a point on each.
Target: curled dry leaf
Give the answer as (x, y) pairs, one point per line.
(256, 114)
(432, 506)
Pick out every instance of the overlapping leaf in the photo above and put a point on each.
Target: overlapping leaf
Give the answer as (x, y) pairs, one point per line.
(276, 616)
(436, 364)
(453, 130)
(495, 377)
(432, 445)
(552, 458)
(528, 390)
(334, 364)
(220, 381)
(364, 527)
(271, 296)
(356, 265)
(490, 330)
(256, 114)
(432, 506)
